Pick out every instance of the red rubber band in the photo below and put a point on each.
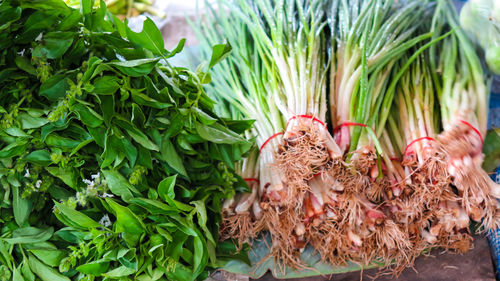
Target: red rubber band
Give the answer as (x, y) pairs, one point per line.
(252, 179)
(475, 130)
(348, 124)
(305, 116)
(317, 174)
(268, 140)
(416, 140)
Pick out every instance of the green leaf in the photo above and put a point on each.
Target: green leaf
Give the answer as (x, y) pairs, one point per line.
(45, 272)
(16, 275)
(95, 268)
(491, 150)
(200, 256)
(153, 276)
(55, 87)
(108, 108)
(79, 146)
(143, 99)
(153, 206)
(8, 14)
(16, 132)
(98, 135)
(175, 126)
(219, 52)
(20, 206)
(178, 48)
(138, 116)
(86, 6)
(39, 157)
(118, 184)
(30, 122)
(111, 150)
(54, 44)
(135, 68)
(126, 220)
(59, 125)
(181, 273)
(28, 235)
(61, 142)
(167, 193)
(120, 26)
(218, 134)
(149, 38)
(79, 218)
(144, 158)
(93, 64)
(68, 175)
(130, 151)
(106, 85)
(202, 219)
(34, 25)
(169, 155)
(204, 117)
(87, 115)
(118, 272)
(24, 64)
(13, 149)
(26, 271)
(50, 257)
(70, 20)
(136, 134)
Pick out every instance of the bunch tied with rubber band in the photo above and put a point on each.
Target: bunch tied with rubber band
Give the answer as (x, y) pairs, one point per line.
(369, 117)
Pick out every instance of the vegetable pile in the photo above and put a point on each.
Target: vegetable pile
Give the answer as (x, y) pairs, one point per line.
(369, 117)
(113, 164)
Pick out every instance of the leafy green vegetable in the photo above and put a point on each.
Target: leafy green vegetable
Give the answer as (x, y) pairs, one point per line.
(491, 150)
(113, 165)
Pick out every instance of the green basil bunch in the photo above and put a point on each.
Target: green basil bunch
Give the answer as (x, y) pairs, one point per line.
(113, 164)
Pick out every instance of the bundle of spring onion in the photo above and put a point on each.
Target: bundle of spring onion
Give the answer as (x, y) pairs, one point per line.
(400, 172)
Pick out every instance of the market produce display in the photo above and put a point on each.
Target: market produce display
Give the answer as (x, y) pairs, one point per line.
(113, 164)
(369, 117)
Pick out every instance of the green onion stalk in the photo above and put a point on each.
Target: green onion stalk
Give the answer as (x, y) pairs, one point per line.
(367, 39)
(417, 124)
(242, 86)
(463, 103)
(291, 38)
(426, 206)
(369, 36)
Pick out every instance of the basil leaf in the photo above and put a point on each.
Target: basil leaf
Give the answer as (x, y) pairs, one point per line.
(218, 134)
(29, 235)
(135, 68)
(169, 155)
(149, 38)
(43, 271)
(126, 220)
(78, 218)
(54, 44)
(21, 207)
